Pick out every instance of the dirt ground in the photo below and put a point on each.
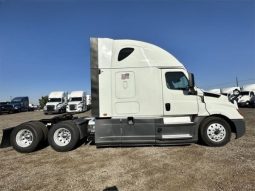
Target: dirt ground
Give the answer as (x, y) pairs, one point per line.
(192, 167)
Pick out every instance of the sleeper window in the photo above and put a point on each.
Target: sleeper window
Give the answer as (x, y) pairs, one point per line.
(176, 81)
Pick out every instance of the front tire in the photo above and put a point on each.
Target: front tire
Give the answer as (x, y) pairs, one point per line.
(215, 132)
(64, 136)
(26, 137)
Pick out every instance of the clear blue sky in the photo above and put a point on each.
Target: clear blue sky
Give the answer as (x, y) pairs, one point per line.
(44, 44)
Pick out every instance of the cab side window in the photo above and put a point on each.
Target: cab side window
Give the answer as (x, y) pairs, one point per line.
(176, 81)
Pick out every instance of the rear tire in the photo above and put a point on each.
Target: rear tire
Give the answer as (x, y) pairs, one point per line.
(38, 124)
(26, 137)
(215, 132)
(64, 136)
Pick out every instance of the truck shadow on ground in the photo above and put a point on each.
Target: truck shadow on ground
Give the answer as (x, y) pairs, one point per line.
(112, 188)
(85, 142)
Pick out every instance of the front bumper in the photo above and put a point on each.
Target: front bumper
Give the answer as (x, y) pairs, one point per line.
(239, 127)
(74, 110)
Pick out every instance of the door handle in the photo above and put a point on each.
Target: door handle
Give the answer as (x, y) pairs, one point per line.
(167, 106)
(130, 121)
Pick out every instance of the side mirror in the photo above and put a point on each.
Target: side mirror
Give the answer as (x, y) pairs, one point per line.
(192, 84)
(191, 81)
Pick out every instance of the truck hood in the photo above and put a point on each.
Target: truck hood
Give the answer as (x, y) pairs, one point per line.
(217, 99)
(216, 104)
(214, 100)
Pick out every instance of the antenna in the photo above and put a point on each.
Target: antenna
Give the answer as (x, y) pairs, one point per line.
(237, 85)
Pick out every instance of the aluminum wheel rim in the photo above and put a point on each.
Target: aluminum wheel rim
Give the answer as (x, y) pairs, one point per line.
(216, 132)
(24, 138)
(62, 137)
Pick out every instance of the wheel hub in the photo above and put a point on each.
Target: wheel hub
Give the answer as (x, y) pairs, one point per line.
(216, 132)
(62, 137)
(24, 138)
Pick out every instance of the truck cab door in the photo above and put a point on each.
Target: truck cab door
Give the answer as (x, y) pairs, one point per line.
(177, 99)
(179, 108)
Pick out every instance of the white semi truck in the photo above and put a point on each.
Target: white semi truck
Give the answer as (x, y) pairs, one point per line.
(77, 102)
(245, 98)
(141, 95)
(57, 102)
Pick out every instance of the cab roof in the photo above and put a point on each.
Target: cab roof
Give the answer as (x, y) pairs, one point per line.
(131, 53)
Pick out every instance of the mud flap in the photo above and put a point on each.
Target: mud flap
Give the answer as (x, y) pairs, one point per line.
(6, 139)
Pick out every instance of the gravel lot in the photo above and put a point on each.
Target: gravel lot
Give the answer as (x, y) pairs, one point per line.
(192, 167)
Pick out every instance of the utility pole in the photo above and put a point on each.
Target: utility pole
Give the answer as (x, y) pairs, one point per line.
(237, 85)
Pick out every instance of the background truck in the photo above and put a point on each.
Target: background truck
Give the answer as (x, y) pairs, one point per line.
(20, 104)
(141, 95)
(57, 102)
(6, 107)
(245, 98)
(88, 101)
(77, 102)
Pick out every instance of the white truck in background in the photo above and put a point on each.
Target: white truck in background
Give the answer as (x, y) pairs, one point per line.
(77, 102)
(57, 102)
(88, 101)
(247, 97)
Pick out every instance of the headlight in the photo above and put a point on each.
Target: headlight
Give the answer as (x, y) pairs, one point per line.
(59, 106)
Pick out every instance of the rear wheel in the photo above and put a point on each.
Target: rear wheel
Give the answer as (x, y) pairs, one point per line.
(26, 137)
(215, 132)
(64, 136)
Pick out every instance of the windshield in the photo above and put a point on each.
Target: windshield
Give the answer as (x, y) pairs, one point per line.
(75, 99)
(54, 100)
(244, 93)
(16, 100)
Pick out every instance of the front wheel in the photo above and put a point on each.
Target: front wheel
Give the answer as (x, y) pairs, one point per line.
(215, 132)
